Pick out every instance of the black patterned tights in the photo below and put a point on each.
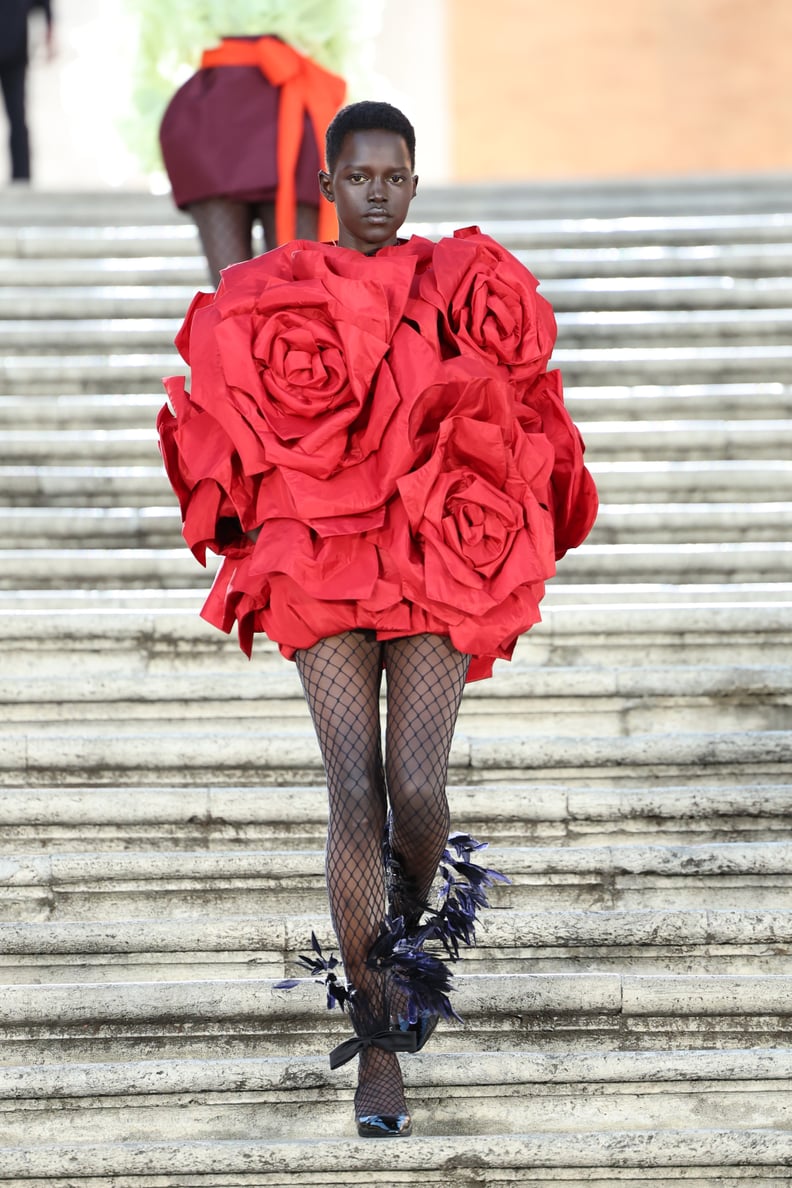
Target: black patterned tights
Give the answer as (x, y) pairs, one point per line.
(226, 229)
(341, 676)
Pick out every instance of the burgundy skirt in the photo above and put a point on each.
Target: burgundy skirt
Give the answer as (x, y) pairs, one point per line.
(219, 139)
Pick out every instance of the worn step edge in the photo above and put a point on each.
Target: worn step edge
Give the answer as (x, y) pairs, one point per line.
(286, 935)
(440, 1069)
(116, 627)
(679, 561)
(590, 685)
(219, 807)
(661, 596)
(477, 997)
(257, 868)
(193, 750)
(688, 1149)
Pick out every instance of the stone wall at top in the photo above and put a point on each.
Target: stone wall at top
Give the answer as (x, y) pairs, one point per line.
(602, 88)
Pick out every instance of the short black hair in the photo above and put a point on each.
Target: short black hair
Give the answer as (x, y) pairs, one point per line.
(366, 116)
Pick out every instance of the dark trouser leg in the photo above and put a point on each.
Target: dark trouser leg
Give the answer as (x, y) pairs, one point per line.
(12, 80)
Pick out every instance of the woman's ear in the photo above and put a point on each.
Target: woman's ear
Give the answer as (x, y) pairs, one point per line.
(326, 185)
(415, 184)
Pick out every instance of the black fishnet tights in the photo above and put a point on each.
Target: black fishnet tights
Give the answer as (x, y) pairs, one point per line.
(341, 676)
(226, 229)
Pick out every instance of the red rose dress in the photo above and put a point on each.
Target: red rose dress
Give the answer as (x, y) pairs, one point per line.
(389, 425)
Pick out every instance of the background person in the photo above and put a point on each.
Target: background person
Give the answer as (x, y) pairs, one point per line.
(13, 75)
(241, 141)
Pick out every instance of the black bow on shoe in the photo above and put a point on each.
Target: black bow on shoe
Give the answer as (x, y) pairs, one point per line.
(389, 1041)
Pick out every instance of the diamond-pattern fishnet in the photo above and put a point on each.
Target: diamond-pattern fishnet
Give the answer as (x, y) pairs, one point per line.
(426, 679)
(341, 677)
(226, 229)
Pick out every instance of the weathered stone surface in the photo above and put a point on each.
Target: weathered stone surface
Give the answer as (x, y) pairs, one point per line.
(161, 810)
(691, 1149)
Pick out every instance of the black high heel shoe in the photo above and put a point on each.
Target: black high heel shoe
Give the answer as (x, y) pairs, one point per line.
(376, 1125)
(383, 1125)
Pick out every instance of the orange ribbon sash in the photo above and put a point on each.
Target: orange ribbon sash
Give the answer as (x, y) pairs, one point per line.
(304, 86)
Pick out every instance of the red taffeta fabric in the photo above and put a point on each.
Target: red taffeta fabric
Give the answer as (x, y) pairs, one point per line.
(389, 424)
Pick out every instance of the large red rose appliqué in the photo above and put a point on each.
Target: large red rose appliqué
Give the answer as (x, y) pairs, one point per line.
(476, 519)
(478, 299)
(287, 353)
(573, 494)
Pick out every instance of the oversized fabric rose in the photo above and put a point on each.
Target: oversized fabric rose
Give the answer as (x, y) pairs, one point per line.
(475, 517)
(478, 299)
(287, 364)
(386, 424)
(573, 493)
(413, 394)
(217, 499)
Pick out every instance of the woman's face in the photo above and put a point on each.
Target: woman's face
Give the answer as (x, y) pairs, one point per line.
(372, 187)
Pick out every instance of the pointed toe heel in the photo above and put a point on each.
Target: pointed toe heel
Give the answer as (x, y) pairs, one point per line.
(384, 1125)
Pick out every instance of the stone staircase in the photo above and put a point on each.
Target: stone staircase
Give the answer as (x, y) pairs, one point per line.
(629, 1008)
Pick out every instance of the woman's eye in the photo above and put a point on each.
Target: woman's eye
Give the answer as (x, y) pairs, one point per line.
(397, 179)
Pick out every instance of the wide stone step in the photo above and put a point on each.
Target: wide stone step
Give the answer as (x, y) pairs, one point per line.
(586, 701)
(750, 401)
(661, 627)
(95, 486)
(672, 364)
(675, 293)
(124, 372)
(718, 262)
(733, 941)
(136, 300)
(188, 272)
(113, 885)
(216, 817)
(120, 336)
(133, 410)
(288, 1098)
(149, 239)
(696, 192)
(625, 328)
(618, 231)
(139, 410)
(617, 482)
(173, 239)
(67, 299)
(160, 526)
(707, 440)
(692, 481)
(89, 568)
(511, 1013)
(628, 328)
(660, 523)
(559, 593)
(705, 193)
(631, 1159)
(188, 754)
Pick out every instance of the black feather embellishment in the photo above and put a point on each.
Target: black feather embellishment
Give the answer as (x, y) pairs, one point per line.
(337, 992)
